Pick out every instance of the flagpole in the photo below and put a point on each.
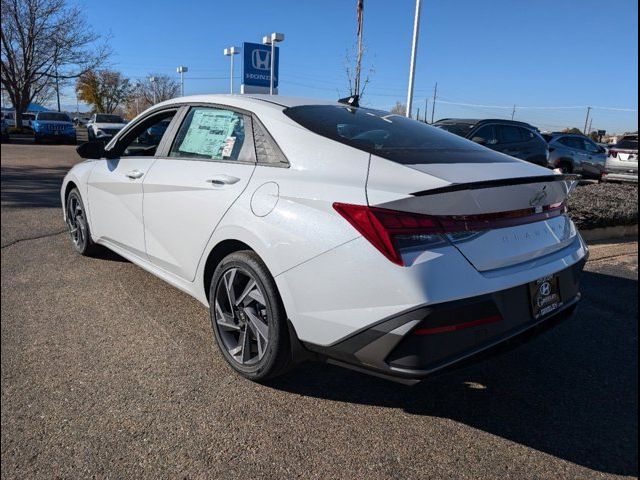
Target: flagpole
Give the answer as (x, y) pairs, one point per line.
(360, 14)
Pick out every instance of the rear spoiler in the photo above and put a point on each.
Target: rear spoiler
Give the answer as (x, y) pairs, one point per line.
(503, 182)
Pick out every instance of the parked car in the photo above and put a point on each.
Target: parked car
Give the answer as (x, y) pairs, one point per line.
(55, 126)
(321, 229)
(4, 131)
(103, 126)
(622, 161)
(576, 154)
(517, 139)
(27, 118)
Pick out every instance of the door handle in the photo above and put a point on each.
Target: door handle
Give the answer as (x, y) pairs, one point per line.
(135, 174)
(223, 180)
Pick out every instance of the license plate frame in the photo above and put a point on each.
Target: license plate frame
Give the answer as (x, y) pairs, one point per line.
(545, 296)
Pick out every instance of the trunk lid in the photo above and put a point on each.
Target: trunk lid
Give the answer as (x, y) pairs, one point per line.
(481, 191)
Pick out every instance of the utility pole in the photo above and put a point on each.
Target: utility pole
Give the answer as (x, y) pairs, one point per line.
(418, 114)
(426, 109)
(414, 53)
(586, 121)
(513, 113)
(360, 15)
(55, 66)
(590, 125)
(433, 105)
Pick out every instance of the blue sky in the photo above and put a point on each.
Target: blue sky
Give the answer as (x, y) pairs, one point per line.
(483, 55)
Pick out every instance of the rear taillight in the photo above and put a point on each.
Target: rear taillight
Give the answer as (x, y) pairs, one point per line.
(393, 232)
(613, 153)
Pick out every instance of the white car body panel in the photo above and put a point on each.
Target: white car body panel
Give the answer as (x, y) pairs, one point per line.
(332, 281)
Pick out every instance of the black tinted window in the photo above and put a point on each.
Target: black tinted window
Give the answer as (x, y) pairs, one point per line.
(390, 136)
(509, 134)
(572, 142)
(486, 133)
(103, 118)
(54, 116)
(461, 129)
(628, 144)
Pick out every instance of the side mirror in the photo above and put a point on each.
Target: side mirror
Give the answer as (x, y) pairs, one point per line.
(479, 140)
(92, 149)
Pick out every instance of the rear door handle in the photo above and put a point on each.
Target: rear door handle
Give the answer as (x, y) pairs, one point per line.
(135, 174)
(223, 180)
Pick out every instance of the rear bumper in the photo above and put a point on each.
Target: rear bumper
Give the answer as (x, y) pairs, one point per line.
(53, 136)
(620, 177)
(391, 348)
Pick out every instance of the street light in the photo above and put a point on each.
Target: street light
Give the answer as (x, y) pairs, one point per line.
(272, 40)
(152, 80)
(230, 52)
(182, 70)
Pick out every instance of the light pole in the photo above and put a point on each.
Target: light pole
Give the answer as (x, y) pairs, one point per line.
(414, 53)
(182, 70)
(152, 80)
(272, 40)
(230, 52)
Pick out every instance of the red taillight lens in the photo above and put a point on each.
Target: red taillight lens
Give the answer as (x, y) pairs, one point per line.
(613, 153)
(390, 231)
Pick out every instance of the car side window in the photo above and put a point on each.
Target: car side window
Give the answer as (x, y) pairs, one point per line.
(144, 137)
(488, 134)
(214, 134)
(509, 134)
(572, 142)
(591, 147)
(527, 134)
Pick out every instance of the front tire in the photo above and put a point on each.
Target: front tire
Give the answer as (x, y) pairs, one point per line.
(78, 225)
(248, 318)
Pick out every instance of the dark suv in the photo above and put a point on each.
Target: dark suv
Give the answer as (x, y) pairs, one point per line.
(516, 139)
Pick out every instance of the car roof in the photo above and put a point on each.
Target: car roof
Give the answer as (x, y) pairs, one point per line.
(249, 100)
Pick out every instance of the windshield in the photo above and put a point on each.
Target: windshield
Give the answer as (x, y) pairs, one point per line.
(390, 136)
(54, 116)
(104, 118)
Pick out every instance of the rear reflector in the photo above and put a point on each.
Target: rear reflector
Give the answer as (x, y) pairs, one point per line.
(613, 153)
(390, 230)
(459, 326)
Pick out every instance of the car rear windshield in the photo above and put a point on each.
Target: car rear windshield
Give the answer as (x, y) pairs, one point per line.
(390, 136)
(109, 119)
(54, 116)
(628, 144)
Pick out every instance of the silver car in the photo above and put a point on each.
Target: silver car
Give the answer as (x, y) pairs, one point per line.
(576, 154)
(622, 162)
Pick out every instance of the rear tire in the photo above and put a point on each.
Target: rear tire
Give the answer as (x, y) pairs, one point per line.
(566, 167)
(78, 225)
(248, 318)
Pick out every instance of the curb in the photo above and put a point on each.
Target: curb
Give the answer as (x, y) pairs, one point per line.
(610, 233)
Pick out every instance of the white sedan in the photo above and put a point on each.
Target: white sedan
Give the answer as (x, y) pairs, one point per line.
(322, 230)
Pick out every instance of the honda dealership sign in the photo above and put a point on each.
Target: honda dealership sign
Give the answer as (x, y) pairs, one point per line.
(256, 68)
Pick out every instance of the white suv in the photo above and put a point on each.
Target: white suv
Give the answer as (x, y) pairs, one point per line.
(103, 126)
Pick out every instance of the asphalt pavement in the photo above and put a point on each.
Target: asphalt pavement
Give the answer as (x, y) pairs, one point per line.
(108, 372)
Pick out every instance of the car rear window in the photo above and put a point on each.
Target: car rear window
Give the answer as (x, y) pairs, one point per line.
(390, 136)
(461, 129)
(54, 116)
(628, 144)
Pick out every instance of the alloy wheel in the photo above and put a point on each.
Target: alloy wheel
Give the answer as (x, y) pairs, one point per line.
(241, 316)
(75, 220)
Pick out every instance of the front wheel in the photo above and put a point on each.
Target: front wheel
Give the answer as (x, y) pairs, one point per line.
(248, 318)
(78, 224)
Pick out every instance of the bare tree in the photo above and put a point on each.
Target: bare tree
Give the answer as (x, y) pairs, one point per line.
(399, 109)
(353, 71)
(106, 90)
(44, 42)
(147, 93)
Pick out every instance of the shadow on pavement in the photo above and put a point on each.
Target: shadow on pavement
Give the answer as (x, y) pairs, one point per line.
(571, 392)
(29, 187)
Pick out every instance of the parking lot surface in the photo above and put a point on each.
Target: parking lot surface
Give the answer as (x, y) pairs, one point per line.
(110, 372)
